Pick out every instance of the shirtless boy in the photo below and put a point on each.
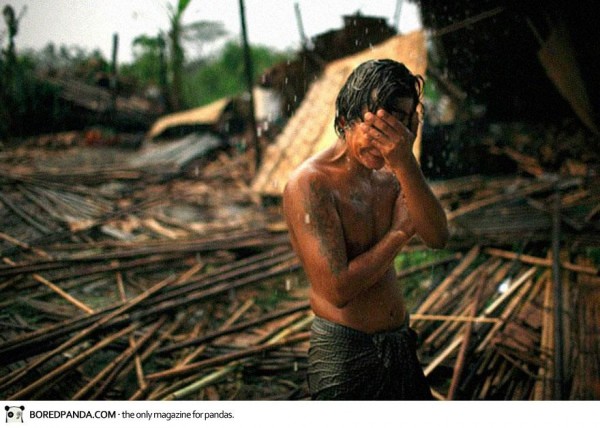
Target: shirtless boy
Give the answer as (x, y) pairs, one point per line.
(350, 209)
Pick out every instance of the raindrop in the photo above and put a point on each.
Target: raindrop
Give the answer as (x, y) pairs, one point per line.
(504, 286)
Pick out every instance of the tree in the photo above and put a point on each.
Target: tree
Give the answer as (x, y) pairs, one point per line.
(149, 68)
(8, 71)
(223, 75)
(178, 33)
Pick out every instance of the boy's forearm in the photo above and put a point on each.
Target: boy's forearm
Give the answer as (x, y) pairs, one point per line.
(367, 269)
(426, 212)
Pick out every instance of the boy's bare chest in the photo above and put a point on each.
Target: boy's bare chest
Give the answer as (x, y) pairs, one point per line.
(366, 216)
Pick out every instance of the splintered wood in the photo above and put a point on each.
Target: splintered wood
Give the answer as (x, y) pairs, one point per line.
(130, 283)
(491, 329)
(134, 283)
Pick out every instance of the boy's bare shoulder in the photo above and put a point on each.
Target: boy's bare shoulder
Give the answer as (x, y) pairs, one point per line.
(308, 175)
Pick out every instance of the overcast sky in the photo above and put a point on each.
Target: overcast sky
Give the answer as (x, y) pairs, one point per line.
(91, 23)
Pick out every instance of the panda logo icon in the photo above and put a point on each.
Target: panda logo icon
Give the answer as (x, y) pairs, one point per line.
(14, 413)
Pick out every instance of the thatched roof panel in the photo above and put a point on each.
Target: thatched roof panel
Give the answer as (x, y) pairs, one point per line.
(311, 130)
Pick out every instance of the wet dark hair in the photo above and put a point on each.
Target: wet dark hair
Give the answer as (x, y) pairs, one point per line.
(375, 84)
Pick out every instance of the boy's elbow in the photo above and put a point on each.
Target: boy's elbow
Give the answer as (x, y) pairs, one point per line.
(340, 304)
(440, 241)
(338, 298)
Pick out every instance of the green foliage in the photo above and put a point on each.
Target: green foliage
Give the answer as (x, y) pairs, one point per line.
(224, 75)
(31, 105)
(594, 255)
(406, 260)
(146, 66)
(431, 91)
(416, 286)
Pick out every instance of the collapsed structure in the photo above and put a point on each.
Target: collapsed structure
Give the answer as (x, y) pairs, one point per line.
(123, 277)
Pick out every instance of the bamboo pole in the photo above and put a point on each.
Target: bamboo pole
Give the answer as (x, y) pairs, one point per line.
(559, 380)
(164, 388)
(513, 288)
(227, 358)
(456, 318)
(542, 386)
(106, 375)
(454, 275)
(142, 390)
(542, 262)
(445, 353)
(462, 354)
(521, 193)
(152, 306)
(73, 362)
(463, 288)
(13, 377)
(222, 372)
(203, 382)
(24, 245)
(78, 304)
(235, 328)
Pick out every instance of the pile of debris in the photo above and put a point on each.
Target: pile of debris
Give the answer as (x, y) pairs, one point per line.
(489, 329)
(121, 281)
(112, 268)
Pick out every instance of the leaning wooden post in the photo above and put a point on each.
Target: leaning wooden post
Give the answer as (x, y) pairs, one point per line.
(250, 83)
(113, 77)
(482, 279)
(558, 304)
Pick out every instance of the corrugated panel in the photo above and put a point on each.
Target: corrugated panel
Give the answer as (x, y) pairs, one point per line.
(311, 130)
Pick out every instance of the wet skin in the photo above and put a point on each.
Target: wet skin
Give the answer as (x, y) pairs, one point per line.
(351, 208)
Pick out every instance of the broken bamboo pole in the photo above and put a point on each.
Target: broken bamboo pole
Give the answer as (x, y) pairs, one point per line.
(226, 280)
(72, 300)
(105, 376)
(212, 377)
(300, 337)
(500, 300)
(462, 353)
(559, 387)
(538, 261)
(535, 187)
(236, 328)
(13, 377)
(163, 388)
(71, 363)
(453, 276)
(457, 318)
(166, 333)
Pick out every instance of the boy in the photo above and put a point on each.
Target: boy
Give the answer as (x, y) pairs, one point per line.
(350, 209)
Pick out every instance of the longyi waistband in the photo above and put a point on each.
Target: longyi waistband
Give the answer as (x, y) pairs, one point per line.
(322, 325)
